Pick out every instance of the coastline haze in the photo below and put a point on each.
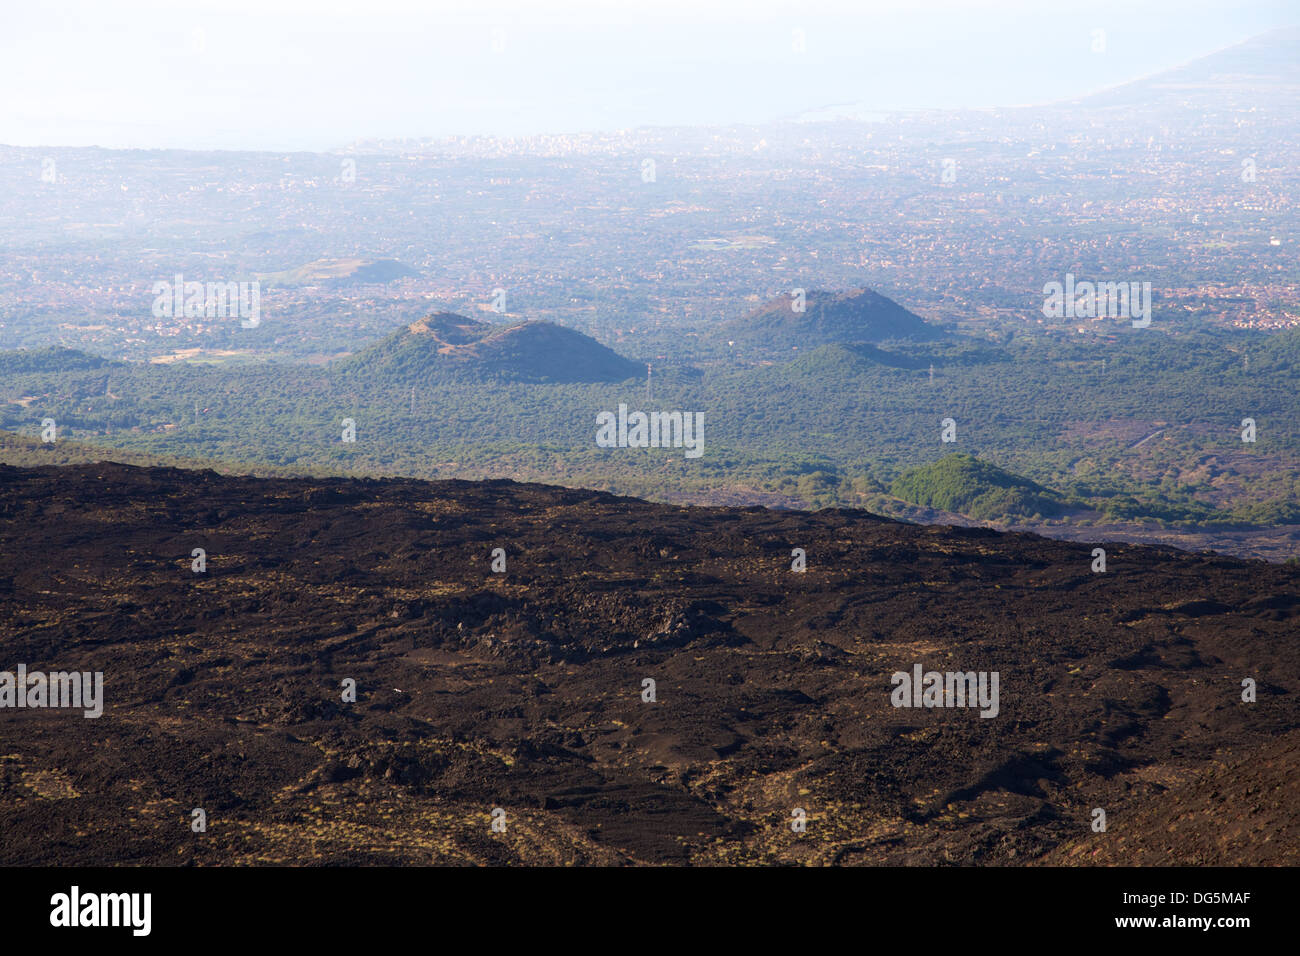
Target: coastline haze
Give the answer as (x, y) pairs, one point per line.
(280, 76)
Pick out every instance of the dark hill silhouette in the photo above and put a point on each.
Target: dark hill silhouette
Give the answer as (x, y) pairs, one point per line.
(859, 315)
(450, 344)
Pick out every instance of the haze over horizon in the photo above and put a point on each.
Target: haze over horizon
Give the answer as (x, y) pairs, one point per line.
(224, 76)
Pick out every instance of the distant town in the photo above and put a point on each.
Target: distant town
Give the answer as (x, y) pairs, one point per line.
(635, 236)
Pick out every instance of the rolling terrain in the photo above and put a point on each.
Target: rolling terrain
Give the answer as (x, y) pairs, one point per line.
(1144, 443)
(523, 690)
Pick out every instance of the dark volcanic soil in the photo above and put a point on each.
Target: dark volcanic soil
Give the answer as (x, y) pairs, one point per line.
(522, 690)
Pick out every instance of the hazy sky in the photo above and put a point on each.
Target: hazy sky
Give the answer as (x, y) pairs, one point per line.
(315, 74)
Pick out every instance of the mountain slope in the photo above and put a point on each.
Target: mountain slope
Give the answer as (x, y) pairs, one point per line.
(1261, 73)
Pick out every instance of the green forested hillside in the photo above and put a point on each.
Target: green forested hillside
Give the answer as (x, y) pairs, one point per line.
(54, 359)
(966, 485)
(447, 346)
(823, 318)
(1148, 426)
